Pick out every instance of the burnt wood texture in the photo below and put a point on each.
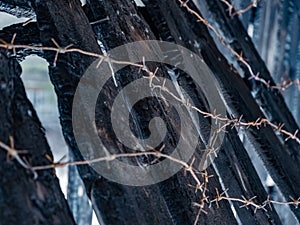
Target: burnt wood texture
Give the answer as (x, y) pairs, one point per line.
(115, 23)
(25, 198)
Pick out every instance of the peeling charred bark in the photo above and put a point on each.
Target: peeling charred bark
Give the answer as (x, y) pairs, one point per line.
(18, 8)
(23, 199)
(25, 35)
(118, 30)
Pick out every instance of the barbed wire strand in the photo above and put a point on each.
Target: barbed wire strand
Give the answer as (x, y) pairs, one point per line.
(223, 123)
(230, 6)
(14, 153)
(239, 56)
(151, 75)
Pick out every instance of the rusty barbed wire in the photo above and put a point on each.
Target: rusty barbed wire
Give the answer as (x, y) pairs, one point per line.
(239, 56)
(15, 154)
(234, 122)
(233, 12)
(211, 149)
(250, 201)
(202, 186)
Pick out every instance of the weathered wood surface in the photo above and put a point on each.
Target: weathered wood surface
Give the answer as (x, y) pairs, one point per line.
(123, 16)
(270, 100)
(228, 163)
(23, 199)
(113, 203)
(239, 102)
(170, 201)
(107, 202)
(25, 35)
(18, 8)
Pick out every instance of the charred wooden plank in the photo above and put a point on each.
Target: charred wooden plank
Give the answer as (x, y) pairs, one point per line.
(125, 25)
(238, 99)
(23, 199)
(18, 8)
(25, 35)
(270, 100)
(113, 203)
